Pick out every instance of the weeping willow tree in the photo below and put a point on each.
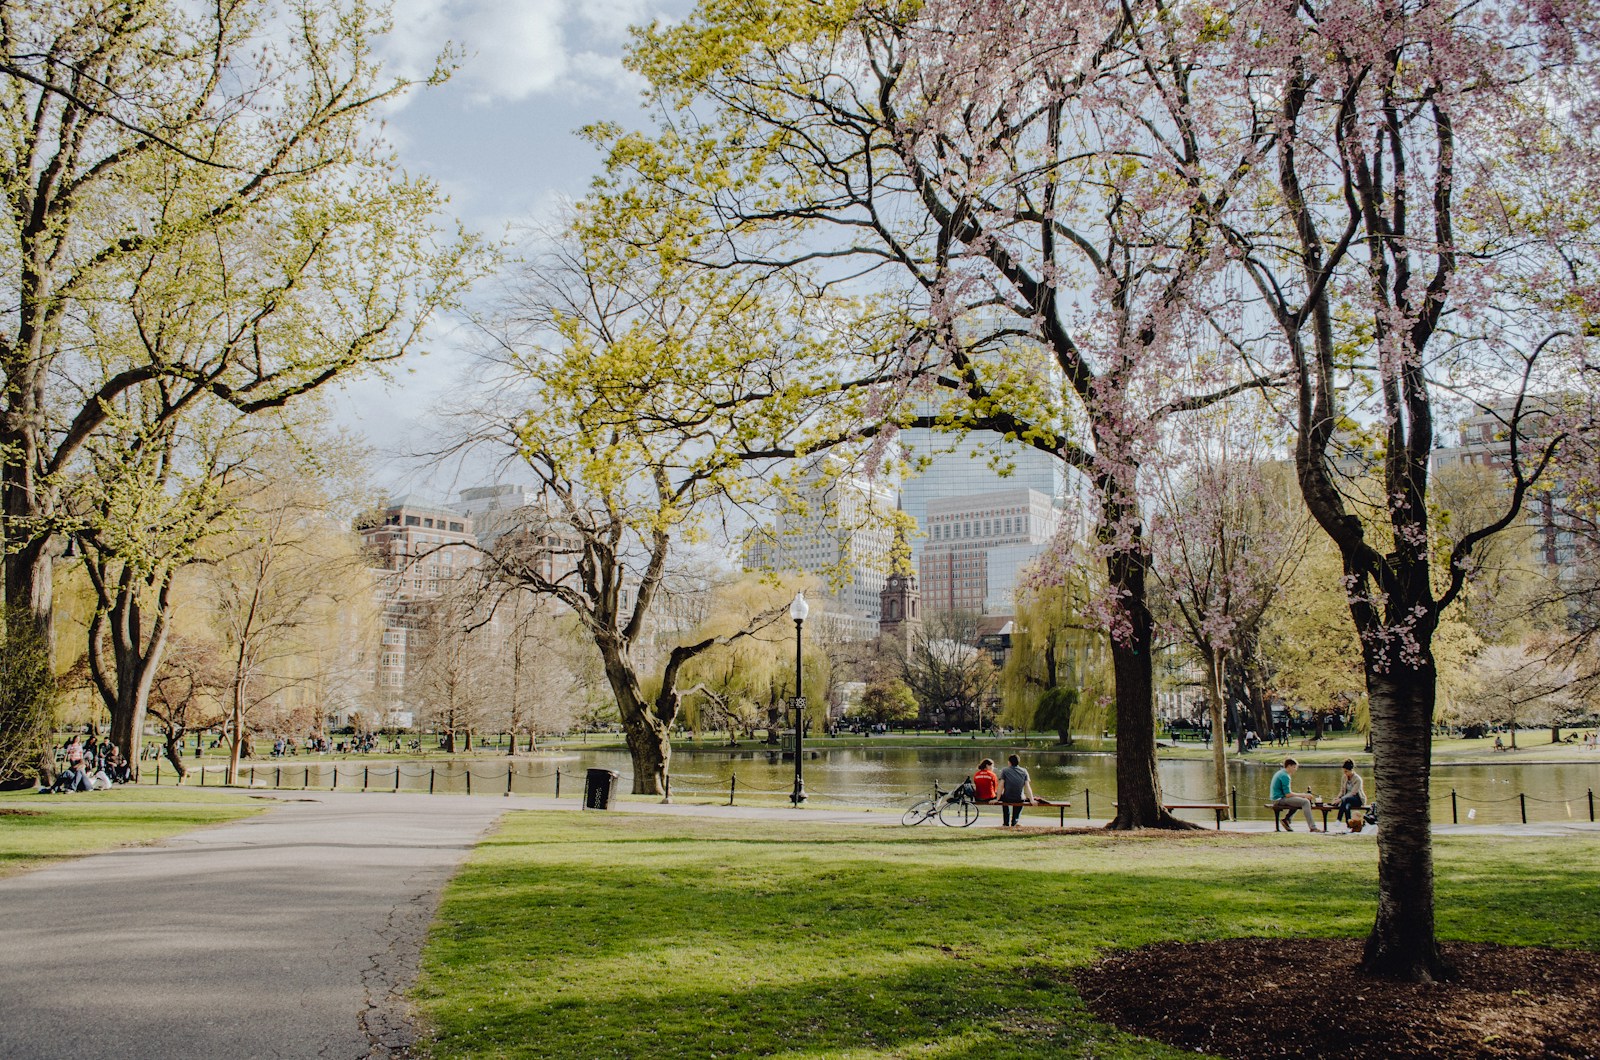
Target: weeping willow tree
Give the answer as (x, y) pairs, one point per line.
(27, 695)
(1058, 675)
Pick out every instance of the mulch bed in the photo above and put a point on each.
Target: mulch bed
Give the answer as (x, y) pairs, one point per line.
(1263, 998)
(12, 811)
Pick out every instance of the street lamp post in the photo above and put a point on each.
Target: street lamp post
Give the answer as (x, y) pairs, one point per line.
(798, 611)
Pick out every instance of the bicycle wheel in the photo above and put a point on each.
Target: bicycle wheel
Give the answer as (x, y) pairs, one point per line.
(919, 812)
(958, 813)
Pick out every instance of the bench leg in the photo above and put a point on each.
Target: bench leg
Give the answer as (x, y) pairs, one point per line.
(1219, 820)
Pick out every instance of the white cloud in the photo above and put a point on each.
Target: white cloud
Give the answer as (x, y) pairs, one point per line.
(514, 50)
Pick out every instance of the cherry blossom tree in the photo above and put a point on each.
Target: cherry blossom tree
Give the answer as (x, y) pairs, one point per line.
(1029, 184)
(1227, 536)
(1416, 239)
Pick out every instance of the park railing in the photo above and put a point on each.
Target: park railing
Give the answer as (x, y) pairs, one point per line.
(522, 778)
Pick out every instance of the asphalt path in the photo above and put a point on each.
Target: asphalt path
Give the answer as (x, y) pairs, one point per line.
(294, 934)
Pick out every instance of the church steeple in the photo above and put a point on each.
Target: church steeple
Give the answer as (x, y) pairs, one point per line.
(900, 603)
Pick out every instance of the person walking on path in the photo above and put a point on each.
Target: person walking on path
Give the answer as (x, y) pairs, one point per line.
(1283, 798)
(1015, 787)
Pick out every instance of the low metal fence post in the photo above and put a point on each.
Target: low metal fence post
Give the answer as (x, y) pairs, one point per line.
(397, 776)
(252, 776)
(1233, 797)
(430, 780)
(469, 780)
(1591, 806)
(335, 786)
(277, 776)
(558, 783)
(1086, 814)
(508, 781)
(733, 784)
(364, 771)
(202, 776)
(1522, 797)
(1454, 819)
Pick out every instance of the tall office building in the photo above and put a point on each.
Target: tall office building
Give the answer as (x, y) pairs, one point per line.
(1484, 441)
(976, 486)
(838, 529)
(976, 544)
(419, 550)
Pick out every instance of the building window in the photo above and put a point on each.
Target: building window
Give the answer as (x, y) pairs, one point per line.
(412, 520)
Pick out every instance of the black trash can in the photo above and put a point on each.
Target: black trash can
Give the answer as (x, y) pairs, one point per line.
(597, 787)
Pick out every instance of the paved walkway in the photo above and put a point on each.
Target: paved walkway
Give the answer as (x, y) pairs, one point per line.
(294, 934)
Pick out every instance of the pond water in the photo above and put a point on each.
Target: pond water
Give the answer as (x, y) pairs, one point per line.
(891, 776)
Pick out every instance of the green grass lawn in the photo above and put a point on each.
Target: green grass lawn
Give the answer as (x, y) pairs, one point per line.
(37, 830)
(621, 935)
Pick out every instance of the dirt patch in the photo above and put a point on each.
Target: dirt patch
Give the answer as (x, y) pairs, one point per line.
(1263, 998)
(11, 811)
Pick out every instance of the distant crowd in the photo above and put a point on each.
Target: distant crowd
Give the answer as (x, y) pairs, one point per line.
(88, 765)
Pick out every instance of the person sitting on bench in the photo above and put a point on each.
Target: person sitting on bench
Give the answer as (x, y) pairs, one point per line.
(984, 782)
(1017, 789)
(1283, 798)
(1353, 795)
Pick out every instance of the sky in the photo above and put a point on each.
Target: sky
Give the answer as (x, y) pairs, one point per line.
(501, 140)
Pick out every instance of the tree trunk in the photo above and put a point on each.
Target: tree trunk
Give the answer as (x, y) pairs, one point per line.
(651, 749)
(1402, 943)
(236, 744)
(1215, 662)
(648, 735)
(174, 752)
(1138, 783)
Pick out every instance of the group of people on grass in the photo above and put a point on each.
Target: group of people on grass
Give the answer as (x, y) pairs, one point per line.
(89, 765)
(1352, 795)
(1011, 787)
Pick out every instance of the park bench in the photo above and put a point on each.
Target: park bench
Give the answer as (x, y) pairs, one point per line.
(1280, 822)
(1177, 732)
(1061, 807)
(1218, 808)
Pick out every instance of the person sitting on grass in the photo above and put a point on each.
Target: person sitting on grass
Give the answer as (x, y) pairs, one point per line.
(1284, 798)
(984, 782)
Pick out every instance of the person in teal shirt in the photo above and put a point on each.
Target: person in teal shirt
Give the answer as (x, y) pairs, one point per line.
(1285, 798)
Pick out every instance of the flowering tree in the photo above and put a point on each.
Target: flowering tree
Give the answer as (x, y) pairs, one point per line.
(1030, 185)
(1414, 238)
(1227, 536)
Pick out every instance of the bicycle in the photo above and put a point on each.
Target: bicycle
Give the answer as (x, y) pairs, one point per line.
(955, 809)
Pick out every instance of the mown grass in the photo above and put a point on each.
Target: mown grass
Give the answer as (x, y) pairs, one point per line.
(619, 935)
(38, 830)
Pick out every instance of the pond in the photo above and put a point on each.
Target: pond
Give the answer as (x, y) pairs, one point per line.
(893, 776)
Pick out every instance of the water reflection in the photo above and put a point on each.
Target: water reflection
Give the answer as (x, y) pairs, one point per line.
(890, 776)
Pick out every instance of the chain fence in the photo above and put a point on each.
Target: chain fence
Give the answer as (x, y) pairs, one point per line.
(487, 778)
